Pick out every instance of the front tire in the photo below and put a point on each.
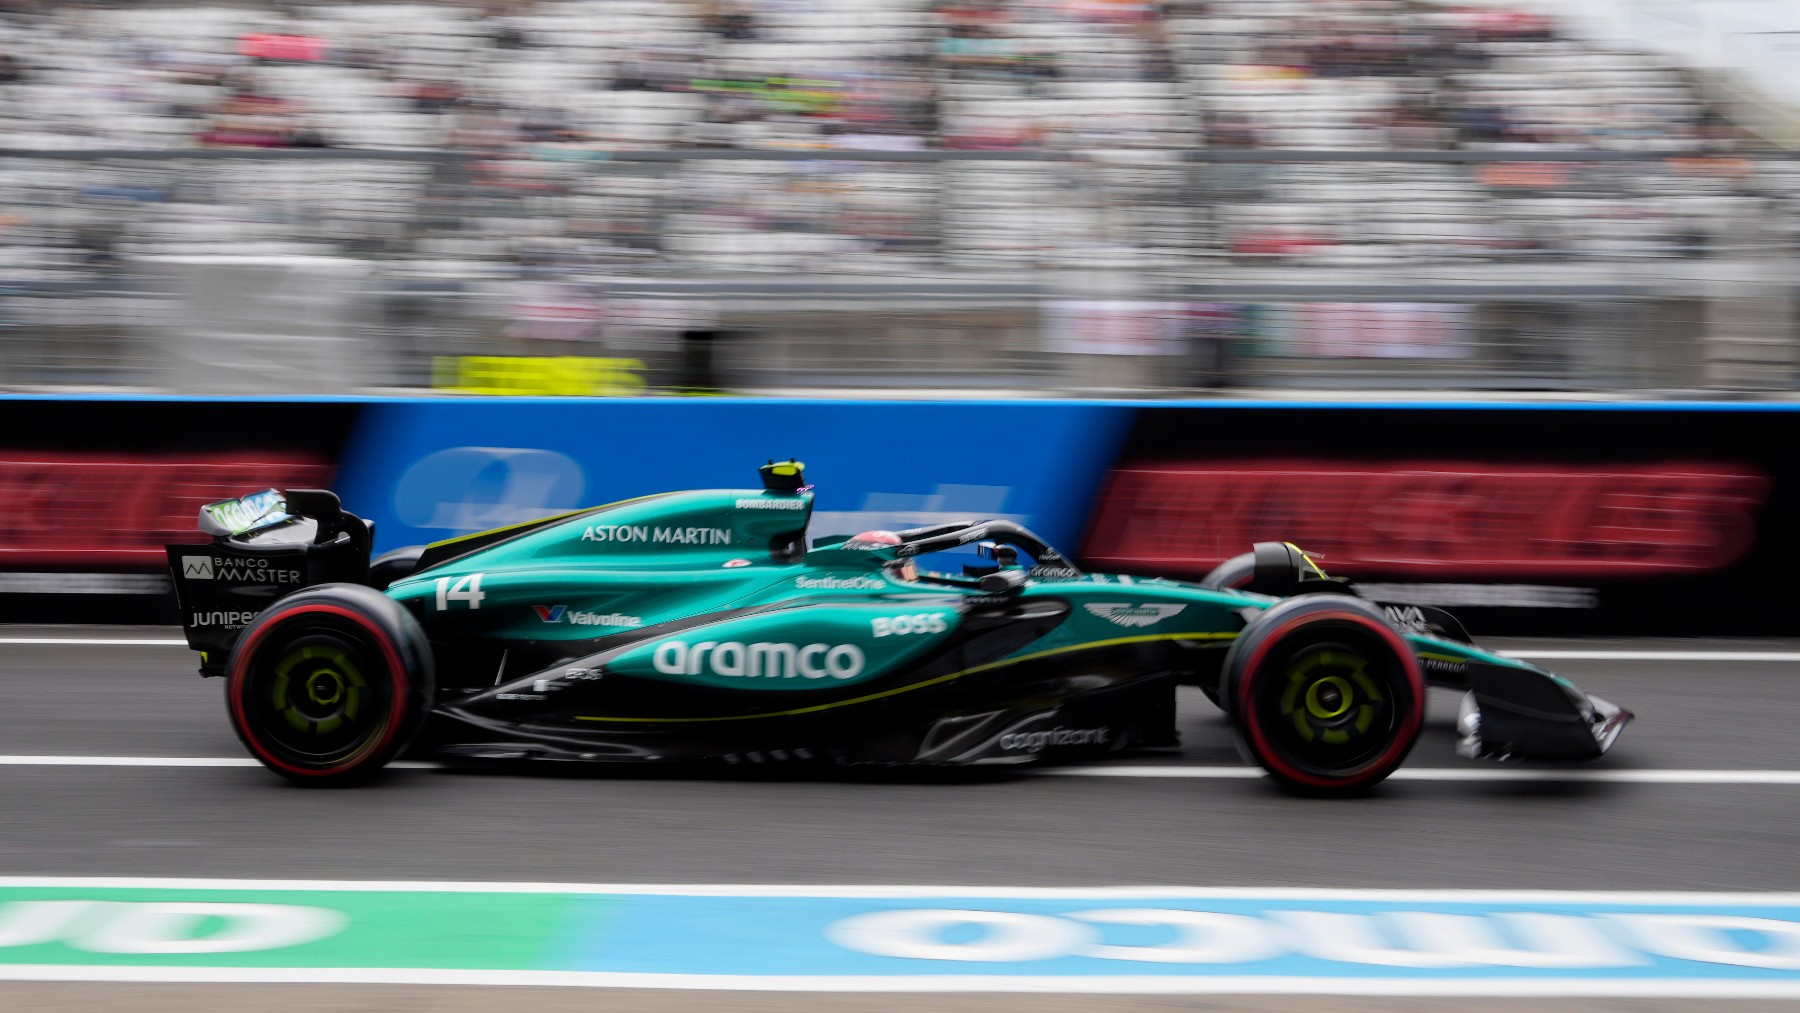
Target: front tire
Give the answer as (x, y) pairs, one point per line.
(329, 684)
(1325, 695)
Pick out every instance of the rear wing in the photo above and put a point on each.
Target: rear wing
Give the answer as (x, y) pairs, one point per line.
(265, 545)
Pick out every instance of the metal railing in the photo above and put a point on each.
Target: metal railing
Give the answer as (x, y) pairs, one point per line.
(226, 270)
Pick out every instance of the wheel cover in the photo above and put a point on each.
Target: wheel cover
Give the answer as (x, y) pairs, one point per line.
(315, 694)
(318, 689)
(1331, 707)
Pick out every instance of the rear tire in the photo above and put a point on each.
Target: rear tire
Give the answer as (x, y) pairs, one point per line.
(1325, 695)
(329, 684)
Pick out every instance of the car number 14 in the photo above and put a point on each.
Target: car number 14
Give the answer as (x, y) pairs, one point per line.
(466, 588)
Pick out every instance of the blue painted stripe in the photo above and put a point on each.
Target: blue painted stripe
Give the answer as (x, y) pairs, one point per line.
(1183, 937)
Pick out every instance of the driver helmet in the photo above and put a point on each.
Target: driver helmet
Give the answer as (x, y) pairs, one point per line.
(872, 540)
(904, 569)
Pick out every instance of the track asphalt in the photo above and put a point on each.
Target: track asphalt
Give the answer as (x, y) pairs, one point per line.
(573, 826)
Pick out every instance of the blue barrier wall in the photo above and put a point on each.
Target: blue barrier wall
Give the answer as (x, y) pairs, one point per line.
(428, 469)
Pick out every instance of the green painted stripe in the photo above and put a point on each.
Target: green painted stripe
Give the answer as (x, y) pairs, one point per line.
(91, 926)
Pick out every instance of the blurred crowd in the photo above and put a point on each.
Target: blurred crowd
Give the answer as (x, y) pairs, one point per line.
(897, 74)
(512, 171)
(506, 121)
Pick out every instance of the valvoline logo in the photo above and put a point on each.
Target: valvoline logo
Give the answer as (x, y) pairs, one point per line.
(576, 617)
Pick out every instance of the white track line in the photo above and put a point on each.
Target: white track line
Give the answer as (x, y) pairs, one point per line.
(23, 760)
(1526, 655)
(92, 642)
(1426, 895)
(940, 890)
(1570, 655)
(1653, 655)
(1170, 772)
(1764, 777)
(1611, 988)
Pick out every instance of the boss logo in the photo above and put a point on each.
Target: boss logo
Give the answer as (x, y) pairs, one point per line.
(900, 626)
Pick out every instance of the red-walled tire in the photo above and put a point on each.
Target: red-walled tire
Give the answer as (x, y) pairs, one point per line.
(329, 684)
(1235, 572)
(1324, 694)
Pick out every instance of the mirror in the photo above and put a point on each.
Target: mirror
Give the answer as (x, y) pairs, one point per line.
(1000, 553)
(1003, 582)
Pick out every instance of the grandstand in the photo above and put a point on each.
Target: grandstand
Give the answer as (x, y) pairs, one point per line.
(622, 74)
(1096, 148)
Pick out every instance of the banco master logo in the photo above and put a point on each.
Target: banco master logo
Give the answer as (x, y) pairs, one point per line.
(1123, 614)
(762, 660)
(236, 570)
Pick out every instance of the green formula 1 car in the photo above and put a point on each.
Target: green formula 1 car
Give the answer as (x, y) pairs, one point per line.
(696, 626)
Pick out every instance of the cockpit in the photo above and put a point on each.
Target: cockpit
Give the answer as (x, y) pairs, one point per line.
(1003, 548)
(1007, 552)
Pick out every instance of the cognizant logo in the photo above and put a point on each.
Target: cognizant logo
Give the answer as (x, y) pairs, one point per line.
(758, 661)
(1034, 742)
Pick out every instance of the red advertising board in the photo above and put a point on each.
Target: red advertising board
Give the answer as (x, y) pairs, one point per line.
(116, 511)
(282, 47)
(1432, 518)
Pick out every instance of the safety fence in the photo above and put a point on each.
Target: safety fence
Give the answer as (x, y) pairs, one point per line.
(221, 270)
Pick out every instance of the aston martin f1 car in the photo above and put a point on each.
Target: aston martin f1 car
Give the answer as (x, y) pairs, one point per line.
(706, 626)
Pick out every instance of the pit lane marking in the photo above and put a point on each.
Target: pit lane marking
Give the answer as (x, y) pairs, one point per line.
(93, 641)
(25, 760)
(1523, 655)
(1743, 777)
(1447, 895)
(856, 938)
(1170, 772)
(1541, 988)
(1652, 655)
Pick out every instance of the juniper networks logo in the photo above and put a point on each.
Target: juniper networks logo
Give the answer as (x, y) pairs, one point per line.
(197, 567)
